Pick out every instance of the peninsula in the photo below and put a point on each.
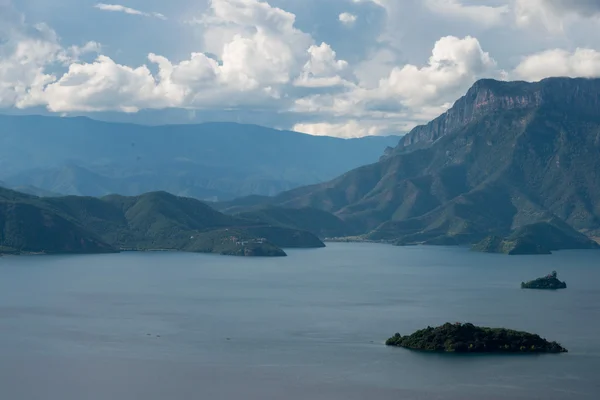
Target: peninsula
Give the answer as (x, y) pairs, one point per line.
(468, 338)
(148, 222)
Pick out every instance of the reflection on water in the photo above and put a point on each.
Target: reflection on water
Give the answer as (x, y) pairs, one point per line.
(310, 326)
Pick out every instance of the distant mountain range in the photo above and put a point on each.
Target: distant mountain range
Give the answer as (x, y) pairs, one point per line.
(505, 156)
(153, 221)
(218, 161)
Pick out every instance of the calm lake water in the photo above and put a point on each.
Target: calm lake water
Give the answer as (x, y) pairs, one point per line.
(170, 326)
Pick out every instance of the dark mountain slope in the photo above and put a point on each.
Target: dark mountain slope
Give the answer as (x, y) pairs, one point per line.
(538, 238)
(27, 226)
(318, 222)
(151, 221)
(519, 154)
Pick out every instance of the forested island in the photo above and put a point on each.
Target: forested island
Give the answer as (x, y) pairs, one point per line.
(468, 338)
(550, 282)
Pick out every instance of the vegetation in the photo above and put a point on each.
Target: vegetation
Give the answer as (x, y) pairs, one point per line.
(153, 221)
(547, 282)
(318, 222)
(468, 338)
(539, 238)
(495, 244)
(505, 156)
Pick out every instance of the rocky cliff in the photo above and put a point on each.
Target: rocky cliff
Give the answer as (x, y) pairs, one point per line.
(489, 96)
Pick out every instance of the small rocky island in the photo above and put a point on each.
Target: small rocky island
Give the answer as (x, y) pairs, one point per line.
(549, 282)
(468, 338)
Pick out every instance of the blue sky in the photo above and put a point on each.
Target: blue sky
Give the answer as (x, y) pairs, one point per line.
(337, 67)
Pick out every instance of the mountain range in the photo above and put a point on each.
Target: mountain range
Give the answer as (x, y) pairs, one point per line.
(218, 161)
(504, 156)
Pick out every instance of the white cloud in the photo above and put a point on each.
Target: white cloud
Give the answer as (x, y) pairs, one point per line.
(381, 3)
(350, 129)
(479, 14)
(104, 85)
(26, 54)
(454, 64)
(580, 63)
(410, 94)
(252, 55)
(347, 18)
(127, 10)
(258, 44)
(554, 14)
(260, 54)
(322, 69)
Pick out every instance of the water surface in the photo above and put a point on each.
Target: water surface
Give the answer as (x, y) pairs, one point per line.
(172, 326)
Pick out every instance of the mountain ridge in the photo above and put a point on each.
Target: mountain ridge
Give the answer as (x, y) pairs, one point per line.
(81, 156)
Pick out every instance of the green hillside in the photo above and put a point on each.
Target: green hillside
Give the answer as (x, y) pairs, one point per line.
(153, 221)
(538, 238)
(318, 222)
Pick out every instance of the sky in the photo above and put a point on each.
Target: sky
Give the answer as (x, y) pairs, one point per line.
(346, 68)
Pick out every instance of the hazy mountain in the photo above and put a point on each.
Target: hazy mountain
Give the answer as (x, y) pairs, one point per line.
(215, 160)
(157, 220)
(28, 189)
(506, 155)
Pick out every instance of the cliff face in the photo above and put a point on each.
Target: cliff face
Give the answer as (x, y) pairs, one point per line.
(488, 96)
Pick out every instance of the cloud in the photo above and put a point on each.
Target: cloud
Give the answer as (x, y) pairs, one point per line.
(322, 69)
(454, 64)
(580, 63)
(479, 14)
(127, 10)
(349, 129)
(452, 67)
(260, 54)
(381, 3)
(251, 56)
(410, 94)
(347, 18)
(584, 8)
(554, 14)
(104, 85)
(26, 54)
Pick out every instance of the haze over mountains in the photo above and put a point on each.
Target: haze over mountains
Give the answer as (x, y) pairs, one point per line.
(506, 155)
(80, 156)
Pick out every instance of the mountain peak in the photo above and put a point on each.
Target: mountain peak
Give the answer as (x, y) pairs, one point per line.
(489, 95)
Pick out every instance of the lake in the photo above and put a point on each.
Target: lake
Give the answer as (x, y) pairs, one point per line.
(170, 326)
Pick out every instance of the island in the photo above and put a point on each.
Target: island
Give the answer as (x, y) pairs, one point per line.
(549, 282)
(468, 338)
